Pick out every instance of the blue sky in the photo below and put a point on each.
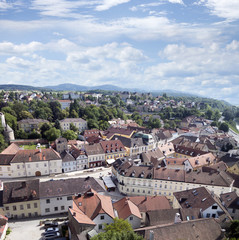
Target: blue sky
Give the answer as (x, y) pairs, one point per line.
(184, 45)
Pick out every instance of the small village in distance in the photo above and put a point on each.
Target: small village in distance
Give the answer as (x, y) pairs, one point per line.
(84, 163)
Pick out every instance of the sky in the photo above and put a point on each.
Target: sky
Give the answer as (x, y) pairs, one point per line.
(184, 45)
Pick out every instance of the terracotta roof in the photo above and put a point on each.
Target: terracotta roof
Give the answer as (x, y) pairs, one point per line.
(94, 149)
(91, 203)
(68, 187)
(175, 161)
(12, 149)
(75, 152)
(79, 216)
(60, 140)
(112, 146)
(125, 208)
(36, 155)
(202, 160)
(20, 191)
(188, 151)
(150, 203)
(91, 132)
(156, 153)
(169, 174)
(220, 166)
(206, 229)
(167, 148)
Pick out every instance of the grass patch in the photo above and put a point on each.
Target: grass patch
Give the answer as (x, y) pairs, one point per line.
(8, 231)
(30, 147)
(232, 125)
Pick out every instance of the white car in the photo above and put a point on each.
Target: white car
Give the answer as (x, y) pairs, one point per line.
(51, 229)
(51, 235)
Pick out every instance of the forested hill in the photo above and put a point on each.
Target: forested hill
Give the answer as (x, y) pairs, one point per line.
(15, 87)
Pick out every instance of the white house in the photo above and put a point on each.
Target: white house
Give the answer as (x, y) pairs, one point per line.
(80, 123)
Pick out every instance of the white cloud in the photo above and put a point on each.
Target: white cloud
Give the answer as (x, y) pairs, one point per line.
(228, 9)
(107, 4)
(8, 48)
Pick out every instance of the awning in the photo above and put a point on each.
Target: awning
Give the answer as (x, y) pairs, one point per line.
(110, 161)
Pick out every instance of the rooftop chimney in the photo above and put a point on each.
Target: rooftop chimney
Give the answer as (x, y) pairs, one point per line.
(177, 218)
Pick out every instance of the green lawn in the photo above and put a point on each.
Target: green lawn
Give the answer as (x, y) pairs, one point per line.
(30, 147)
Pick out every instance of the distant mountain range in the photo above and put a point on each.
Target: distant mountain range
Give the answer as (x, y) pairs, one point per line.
(75, 87)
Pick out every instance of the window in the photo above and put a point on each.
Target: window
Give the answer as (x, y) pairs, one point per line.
(208, 215)
(131, 218)
(48, 201)
(29, 214)
(102, 217)
(100, 226)
(62, 207)
(7, 208)
(18, 167)
(21, 207)
(214, 207)
(213, 215)
(28, 206)
(69, 198)
(14, 208)
(23, 215)
(35, 205)
(233, 210)
(55, 208)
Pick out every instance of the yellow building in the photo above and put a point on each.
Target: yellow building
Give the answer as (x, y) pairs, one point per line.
(21, 199)
(234, 168)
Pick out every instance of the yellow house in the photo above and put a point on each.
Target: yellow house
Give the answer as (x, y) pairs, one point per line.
(21, 199)
(234, 168)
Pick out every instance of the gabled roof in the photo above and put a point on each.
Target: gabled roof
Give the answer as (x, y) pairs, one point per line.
(68, 187)
(206, 229)
(33, 121)
(155, 153)
(36, 155)
(94, 149)
(72, 120)
(110, 132)
(195, 198)
(112, 146)
(12, 149)
(67, 157)
(125, 207)
(79, 216)
(150, 203)
(201, 160)
(92, 204)
(20, 191)
(5, 159)
(230, 200)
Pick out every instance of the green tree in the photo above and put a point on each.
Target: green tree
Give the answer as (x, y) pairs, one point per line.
(232, 232)
(118, 230)
(69, 135)
(216, 115)
(52, 134)
(73, 127)
(20, 134)
(25, 115)
(34, 135)
(224, 127)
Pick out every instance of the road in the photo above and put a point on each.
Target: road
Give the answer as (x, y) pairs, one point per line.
(92, 172)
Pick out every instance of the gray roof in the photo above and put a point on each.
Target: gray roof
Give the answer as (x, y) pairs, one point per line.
(94, 149)
(72, 120)
(68, 187)
(33, 121)
(67, 157)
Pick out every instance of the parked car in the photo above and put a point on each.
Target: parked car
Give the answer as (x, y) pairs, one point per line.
(52, 235)
(49, 224)
(51, 229)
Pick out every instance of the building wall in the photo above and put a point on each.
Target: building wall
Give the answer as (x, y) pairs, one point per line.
(234, 169)
(134, 221)
(100, 222)
(22, 209)
(80, 125)
(5, 171)
(211, 211)
(55, 205)
(115, 155)
(69, 166)
(82, 162)
(96, 160)
(151, 187)
(234, 213)
(31, 169)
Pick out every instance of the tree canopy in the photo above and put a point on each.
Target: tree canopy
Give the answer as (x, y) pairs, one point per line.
(118, 230)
